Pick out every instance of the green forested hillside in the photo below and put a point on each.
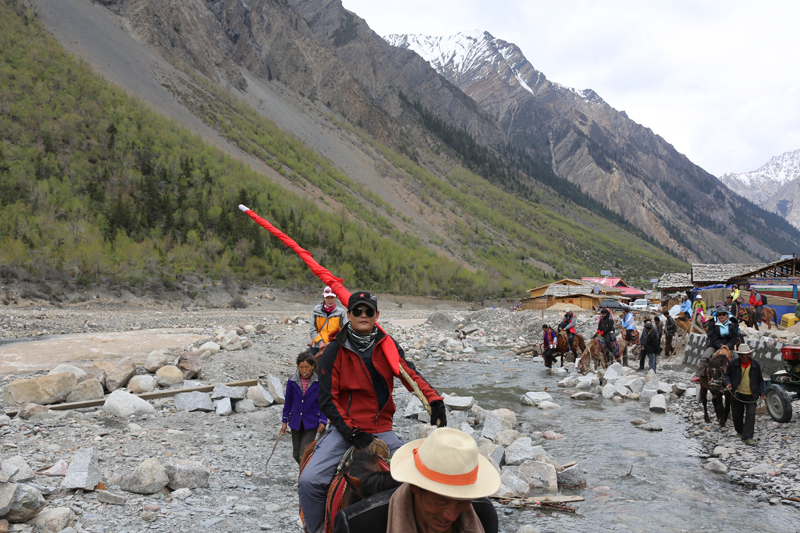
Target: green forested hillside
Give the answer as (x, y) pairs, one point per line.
(96, 187)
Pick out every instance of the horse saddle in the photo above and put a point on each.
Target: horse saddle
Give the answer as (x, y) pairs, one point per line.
(613, 349)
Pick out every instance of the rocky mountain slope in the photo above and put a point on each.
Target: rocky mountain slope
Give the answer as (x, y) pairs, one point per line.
(624, 164)
(775, 186)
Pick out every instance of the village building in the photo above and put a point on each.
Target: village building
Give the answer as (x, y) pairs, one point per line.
(572, 292)
(626, 291)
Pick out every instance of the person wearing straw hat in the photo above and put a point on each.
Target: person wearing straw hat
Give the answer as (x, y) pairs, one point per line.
(743, 377)
(445, 484)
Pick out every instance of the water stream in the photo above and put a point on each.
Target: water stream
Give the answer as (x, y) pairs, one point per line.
(666, 490)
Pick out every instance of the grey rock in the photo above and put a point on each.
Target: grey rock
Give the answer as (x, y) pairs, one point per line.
(715, 465)
(27, 503)
(140, 384)
(157, 359)
(169, 375)
(507, 437)
(528, 529)
(223, 407)
(760, 468)
(540, 454)
(493, 451)
(539, 475)
(244, 406)
(124, 370)
(148, 478)
(124, 404)
(638, 421)
(210, 346)
(80, 374)
(181, 494)
(651, 426)
(84, 471)
(458, 403)
(658, 404)
(572, 477)
(223, 391)
(15, 469)
(7, 491)
(193, 401)
(413, 407)
(275, 388)
(635, 385)
(43, 390)
(27, 410)
(535, 398)
(184, 474)
(107, 496)
(456, 418)
(545, 405)
(55, 519)
(679, 389)
(519, 487)
(583, 395)
(89, 389)
(647, 395)
(261, 396)
(519, 452)
(608, 390)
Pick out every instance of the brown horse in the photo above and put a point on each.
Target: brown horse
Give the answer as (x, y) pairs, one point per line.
(361, 474)
(594, 352)
(767, 314)
(562, 345)
(712, 380)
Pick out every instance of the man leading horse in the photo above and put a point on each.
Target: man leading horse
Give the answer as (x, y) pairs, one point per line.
(568, 325)
(356, 382)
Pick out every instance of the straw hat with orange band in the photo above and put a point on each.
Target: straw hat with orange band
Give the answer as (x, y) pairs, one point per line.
(446, 463)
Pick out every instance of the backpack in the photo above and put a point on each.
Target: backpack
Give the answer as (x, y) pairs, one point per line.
(763, 299)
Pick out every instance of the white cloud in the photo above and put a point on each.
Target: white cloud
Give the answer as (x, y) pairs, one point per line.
(717, 78)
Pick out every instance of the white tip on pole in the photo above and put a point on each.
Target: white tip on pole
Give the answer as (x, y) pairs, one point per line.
(244, 208)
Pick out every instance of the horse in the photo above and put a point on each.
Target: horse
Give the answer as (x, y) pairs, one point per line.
(562, 345)
(712, 380)
(594, 352)
(361, 474)
(767, 313)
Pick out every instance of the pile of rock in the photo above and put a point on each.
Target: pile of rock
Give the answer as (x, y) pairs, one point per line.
(225, 400)
(523, 466)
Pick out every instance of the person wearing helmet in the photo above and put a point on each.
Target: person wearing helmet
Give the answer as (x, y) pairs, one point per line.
(568, 324)
(605, 331)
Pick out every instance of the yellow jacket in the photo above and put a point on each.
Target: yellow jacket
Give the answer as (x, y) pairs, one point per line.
(325, 325)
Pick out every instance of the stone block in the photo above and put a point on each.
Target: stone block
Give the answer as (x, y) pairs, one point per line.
(84, 471)
(244, 406)
(519, 452)
(223, 391)
(261, 396)
(55, 519)
(124, 404)
(27, 503)
(124, 370)
(169, 375)
(549, 406)
(27, 410)
(114, 498)
(223, 407)
(658, 403)
(210, 346)
(184, 474)
(519, 487)
(88, 389)
(539, 475)
(275, 388)
(44, 390)
(191, 365)
(572, 477)
(157, 359)
(458, 403)
(140, 384)
(80, 374)
(15, 469)
(148, 478)
(7, 491)
(535, 398)
(193, 401)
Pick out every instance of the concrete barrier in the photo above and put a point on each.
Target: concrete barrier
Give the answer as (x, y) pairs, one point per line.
(767, 351)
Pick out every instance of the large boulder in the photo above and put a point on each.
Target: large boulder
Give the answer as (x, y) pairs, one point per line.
(148, 478)
(124, 370)
(27, 503)
(539, 475)
(223, 391)
(155, 360)
(571, 478)
(540, 454)
(84, 471)
(43, 390)
(80, 374)
(459, 403)
(7, 491)
(140, 384)
(124, 404)
(507, 437)
(55, 519)
(190, 364)
(169, 375)
(193, 401)
(275, 388)
(518, 486)
(88, 389)
(96, 373)
(535, 398)
(16, 469)
(185, 474)
(519, 452)
(658, 403)
(493, 451)
(262, 398)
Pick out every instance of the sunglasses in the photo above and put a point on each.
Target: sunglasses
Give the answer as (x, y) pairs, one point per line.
(370, 312)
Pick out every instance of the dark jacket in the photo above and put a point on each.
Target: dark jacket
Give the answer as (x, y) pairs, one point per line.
(717, 341)
(649, 341)
(568, 323)
(348, 394)
(671, 326)
(299, 407)
(606, 325)
(733, 376)
(372, 515)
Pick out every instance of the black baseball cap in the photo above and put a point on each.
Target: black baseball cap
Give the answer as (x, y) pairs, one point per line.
(362, 297)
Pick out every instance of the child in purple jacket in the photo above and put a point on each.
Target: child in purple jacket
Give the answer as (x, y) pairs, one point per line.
(301, 410)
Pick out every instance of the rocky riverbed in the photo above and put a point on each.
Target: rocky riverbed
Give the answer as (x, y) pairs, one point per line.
(237, 494)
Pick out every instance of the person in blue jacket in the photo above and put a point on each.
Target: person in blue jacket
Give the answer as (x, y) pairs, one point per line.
(686, 307)
(301, 411)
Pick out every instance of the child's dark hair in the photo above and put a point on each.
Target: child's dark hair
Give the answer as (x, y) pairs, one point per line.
(307, 357)
(545, 326)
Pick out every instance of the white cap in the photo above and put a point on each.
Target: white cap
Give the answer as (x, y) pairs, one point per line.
(569, 310)
(328, 292)
(699, 296)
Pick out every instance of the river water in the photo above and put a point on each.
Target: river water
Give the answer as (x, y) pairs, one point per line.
(667, 490)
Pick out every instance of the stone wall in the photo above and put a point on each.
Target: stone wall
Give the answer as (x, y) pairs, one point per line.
(767, 350)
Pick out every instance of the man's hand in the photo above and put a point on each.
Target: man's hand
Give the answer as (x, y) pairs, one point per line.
(438, 414)
(361, 439)
(321, 428)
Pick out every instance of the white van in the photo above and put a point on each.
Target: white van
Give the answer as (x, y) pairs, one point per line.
(639, 305)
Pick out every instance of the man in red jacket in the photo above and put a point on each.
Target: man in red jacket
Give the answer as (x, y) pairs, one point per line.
(356, 382)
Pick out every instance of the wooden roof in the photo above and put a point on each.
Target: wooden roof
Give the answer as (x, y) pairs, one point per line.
(565, 281)
(702, 273)
(676, 280)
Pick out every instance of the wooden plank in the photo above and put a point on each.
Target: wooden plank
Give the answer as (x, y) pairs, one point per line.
(555, 498)
(144, 396)
(569, 464)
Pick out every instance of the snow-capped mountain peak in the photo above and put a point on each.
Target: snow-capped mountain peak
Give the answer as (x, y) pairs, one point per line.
(779, 170)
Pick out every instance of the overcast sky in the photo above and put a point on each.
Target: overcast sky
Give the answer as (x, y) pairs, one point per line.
(718, 79)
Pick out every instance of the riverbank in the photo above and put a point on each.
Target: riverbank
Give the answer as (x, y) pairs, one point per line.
(241, 497)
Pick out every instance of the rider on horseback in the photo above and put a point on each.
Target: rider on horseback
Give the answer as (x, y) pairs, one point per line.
(629, 324)
(356, 382)
(723, 331)
(568, 324)
(605, 330)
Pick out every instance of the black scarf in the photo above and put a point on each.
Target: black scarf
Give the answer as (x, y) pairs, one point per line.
(361, 342)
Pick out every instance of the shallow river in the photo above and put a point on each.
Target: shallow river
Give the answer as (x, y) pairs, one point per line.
(667, 489)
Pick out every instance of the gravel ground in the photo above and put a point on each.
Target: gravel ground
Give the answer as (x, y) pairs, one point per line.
(240, 496)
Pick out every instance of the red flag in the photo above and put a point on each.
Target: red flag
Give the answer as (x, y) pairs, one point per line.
(324, 275)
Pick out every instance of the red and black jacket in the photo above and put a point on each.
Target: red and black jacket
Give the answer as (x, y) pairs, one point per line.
(348, 395)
